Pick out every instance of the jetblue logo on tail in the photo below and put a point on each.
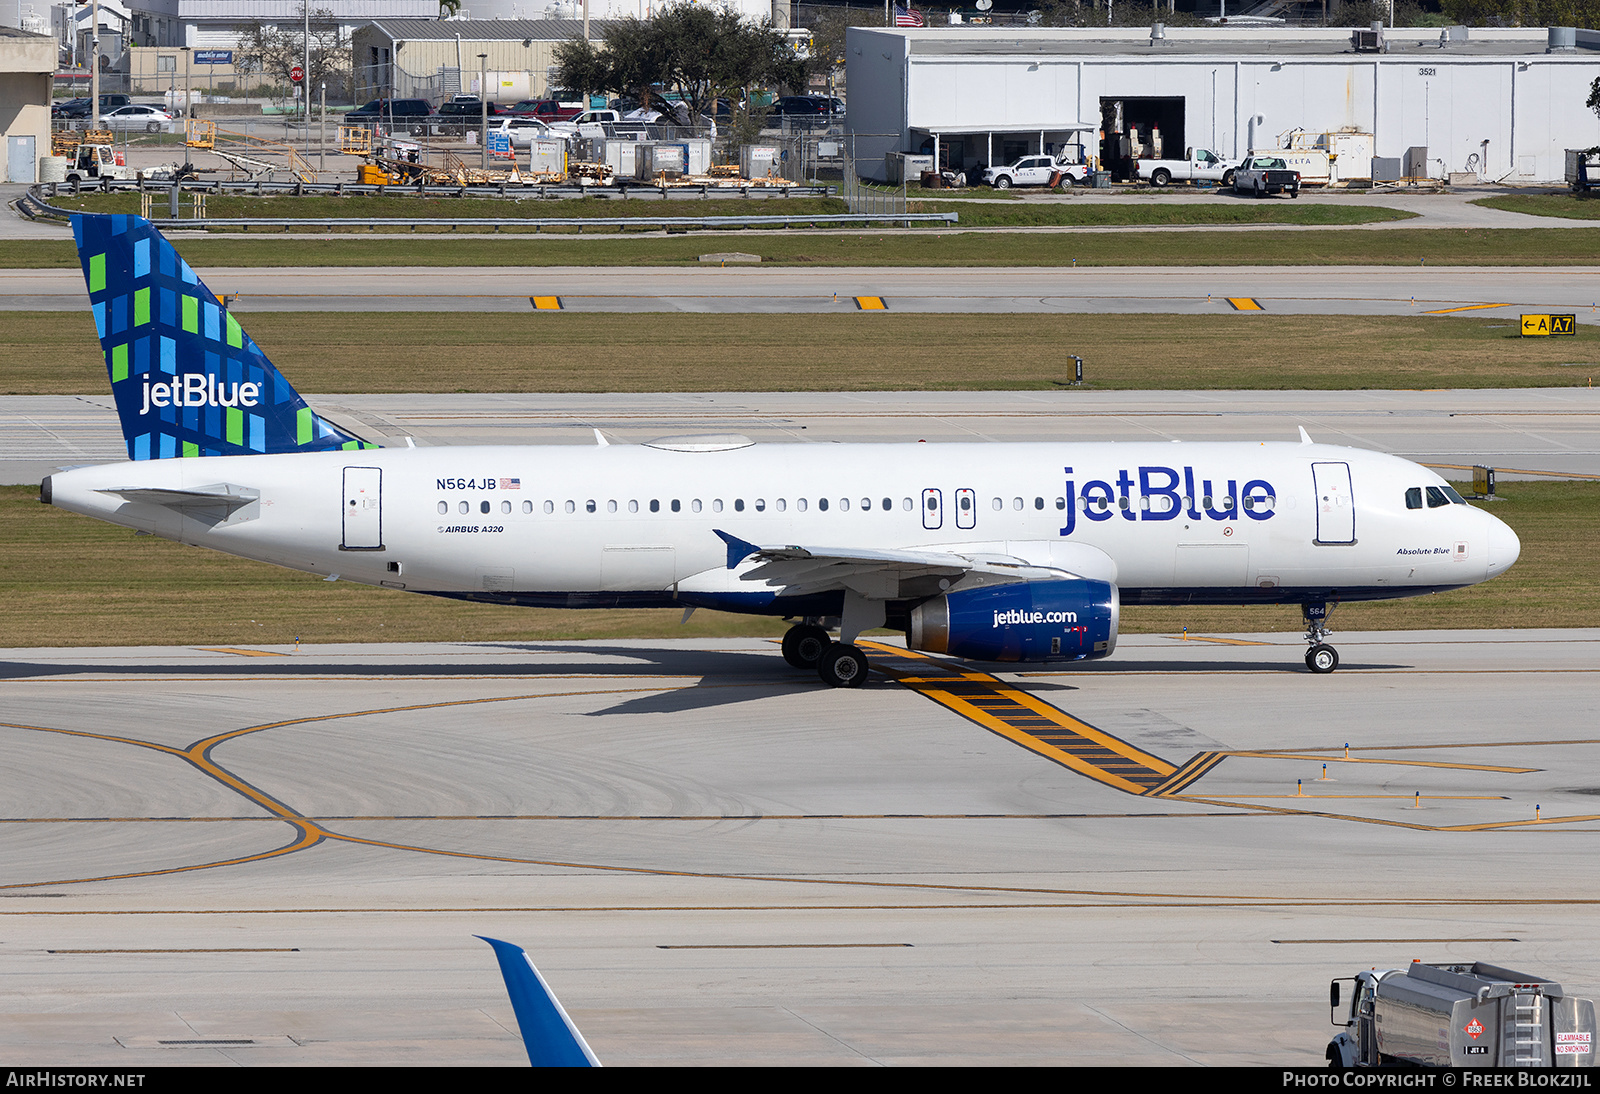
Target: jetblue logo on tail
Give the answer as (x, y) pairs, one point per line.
(188, 380)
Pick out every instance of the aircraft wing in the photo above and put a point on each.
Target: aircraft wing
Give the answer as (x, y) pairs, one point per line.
(549, 1035)
(875, 573)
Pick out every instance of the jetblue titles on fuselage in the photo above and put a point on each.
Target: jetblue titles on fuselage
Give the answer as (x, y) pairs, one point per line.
(1159, 499)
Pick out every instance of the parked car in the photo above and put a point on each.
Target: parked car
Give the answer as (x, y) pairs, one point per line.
(1200, 165)
(151, 119)
(467, 106)
(82, 107)
(1042, 170)
(1262, 175)
(805, 106)
(549, 110)
(524, 130)
(410, 115)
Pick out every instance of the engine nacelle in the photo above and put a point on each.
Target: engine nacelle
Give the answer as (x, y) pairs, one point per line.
(1069, 620)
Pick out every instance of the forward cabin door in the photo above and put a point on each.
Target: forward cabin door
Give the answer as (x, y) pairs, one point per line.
(363, 509)
(1336, 508)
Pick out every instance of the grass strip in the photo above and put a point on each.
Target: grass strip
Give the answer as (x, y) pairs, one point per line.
(45, 353)
(885, 247)
(69, 580)
(648, 203)
(1571, 206)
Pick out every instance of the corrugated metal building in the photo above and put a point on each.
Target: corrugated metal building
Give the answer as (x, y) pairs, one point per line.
(433, 59)
(1505, 103)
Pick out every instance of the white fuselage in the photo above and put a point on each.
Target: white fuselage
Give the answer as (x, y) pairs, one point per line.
(1168, 523)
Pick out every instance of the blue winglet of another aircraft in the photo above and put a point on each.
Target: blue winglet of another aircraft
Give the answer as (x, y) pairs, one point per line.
(548, 1034)
(738, 549)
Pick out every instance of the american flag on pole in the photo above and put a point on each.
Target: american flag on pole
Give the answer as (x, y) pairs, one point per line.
(907, 17)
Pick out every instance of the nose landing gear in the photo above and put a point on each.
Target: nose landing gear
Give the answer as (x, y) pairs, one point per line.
(1321, 658)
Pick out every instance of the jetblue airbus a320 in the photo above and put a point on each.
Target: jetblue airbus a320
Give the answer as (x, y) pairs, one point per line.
(994, 552)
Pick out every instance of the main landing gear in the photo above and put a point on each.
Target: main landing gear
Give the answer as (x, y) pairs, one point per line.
(839, 664)
(1321, 658)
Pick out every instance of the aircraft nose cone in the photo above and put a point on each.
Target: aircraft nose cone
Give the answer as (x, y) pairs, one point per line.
(1504, 547)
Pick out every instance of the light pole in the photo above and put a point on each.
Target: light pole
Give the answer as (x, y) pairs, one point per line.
(94, 66)
(305, 68)
(483, 108)
(188, 86)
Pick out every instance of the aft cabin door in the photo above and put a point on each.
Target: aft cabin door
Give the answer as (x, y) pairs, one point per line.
(932, 509)
(363, 509)
(1336, 508)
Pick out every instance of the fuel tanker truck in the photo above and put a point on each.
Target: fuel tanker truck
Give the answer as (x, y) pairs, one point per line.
(1457, 1015)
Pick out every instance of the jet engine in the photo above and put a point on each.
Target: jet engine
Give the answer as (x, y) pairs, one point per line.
(1068, 620)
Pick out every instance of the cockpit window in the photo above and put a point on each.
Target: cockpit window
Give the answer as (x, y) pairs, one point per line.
(1437, 497)
(1414, 498)
(1455, 498)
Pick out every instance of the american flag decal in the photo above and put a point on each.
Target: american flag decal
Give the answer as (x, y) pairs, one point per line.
(511, 484)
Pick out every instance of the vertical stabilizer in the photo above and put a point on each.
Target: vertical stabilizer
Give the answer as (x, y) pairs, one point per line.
(188, 380)
(548, 1034)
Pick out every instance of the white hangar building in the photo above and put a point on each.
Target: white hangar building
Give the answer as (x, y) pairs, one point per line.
(1512, 98)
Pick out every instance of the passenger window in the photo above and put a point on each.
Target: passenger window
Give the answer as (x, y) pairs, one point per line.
(1414, 498)
(655, 505)
(611, 506)
(464, 507)
(1038, 503)
(1436, 498)
(677, 506)
(782, 504)
(738, 505)
(444, 507)
(505, 507)
(822, 504)
(483, 507)
(527, 507)
(716, 505)
(844, 505)
(589, 505)
(1061, 503)
(549, 507)
(1016, 503)
(888, 504)
(633, 505)
(997, 504)
(907, 504)
(695, 505)
(963, 500)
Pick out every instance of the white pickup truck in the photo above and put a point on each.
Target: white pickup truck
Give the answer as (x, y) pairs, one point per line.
(1039, 170)
(1202, 165)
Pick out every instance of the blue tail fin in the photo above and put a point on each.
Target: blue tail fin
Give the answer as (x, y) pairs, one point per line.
(188, 380)
(548, 1034)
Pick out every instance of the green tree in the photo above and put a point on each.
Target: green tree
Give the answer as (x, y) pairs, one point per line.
(272, 50)
(695, 53)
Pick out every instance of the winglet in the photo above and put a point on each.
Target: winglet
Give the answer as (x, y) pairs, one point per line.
(547, 1033)
(1305, 438)
(738, 549)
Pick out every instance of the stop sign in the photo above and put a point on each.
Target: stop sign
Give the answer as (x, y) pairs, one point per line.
(296, 74)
